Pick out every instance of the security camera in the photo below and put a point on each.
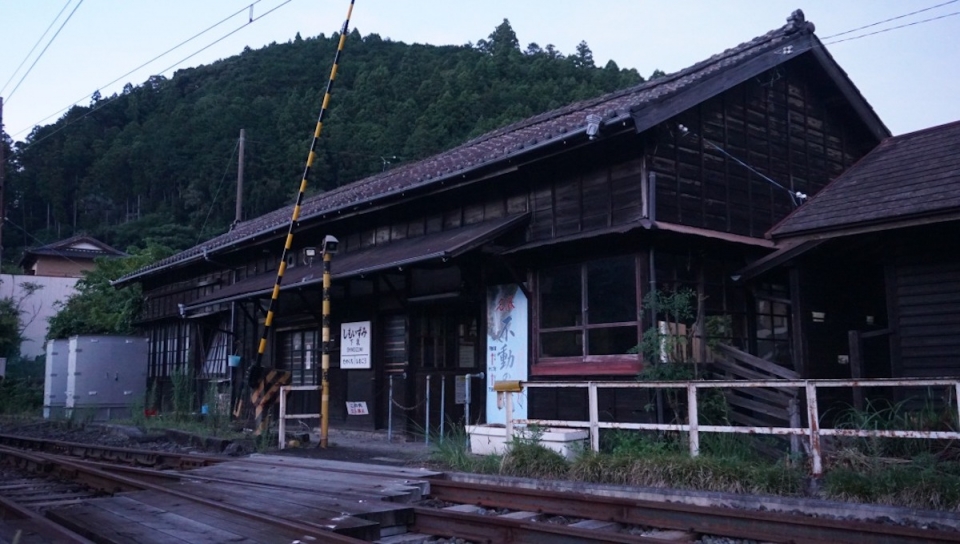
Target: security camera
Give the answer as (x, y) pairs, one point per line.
(330, 245)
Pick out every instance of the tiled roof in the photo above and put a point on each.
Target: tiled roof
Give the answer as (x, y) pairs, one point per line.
(501, 144)
(436, 246)
(65, 248)
(908, 176)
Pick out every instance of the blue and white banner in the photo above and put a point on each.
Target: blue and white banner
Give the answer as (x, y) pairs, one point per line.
(506, 349)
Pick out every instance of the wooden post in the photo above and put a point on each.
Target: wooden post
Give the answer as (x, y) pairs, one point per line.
(3, 215)
(693, 419)
(239, 210)
(594, 416)
(813, 427)
(855, 343)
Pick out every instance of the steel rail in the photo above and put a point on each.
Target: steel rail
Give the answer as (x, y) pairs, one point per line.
(482, 528)
(132, 456)
(105, 481)
(57, 534)
(756, 525)
(46, 528)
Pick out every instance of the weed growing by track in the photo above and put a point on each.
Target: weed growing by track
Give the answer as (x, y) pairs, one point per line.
(21, 391)
(906, 472)
(726, 464)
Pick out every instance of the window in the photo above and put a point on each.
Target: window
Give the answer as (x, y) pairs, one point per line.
(169, 348)
(589, 311)
(299, 356)
(773, 325)
(444, 338)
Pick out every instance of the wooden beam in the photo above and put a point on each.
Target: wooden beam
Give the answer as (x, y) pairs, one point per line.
(855, 345)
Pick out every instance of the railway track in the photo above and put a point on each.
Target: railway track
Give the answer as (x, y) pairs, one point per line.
(618, 514)
(190, 489)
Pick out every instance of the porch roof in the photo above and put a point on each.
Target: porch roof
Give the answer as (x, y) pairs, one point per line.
(440, 246)
(907, 180)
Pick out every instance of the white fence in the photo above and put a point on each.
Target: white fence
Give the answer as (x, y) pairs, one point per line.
(284, 416)
(812, 430)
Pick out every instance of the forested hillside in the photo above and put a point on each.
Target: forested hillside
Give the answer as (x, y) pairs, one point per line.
(157, 163)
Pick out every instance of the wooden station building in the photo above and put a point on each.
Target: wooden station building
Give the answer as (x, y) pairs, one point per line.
(526, 253)
(874, 261)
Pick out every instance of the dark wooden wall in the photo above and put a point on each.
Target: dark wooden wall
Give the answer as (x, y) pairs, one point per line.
(927, 299)
(780, 125)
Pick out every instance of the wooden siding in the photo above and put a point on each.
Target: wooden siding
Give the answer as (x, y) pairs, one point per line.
(163, 302)
(61, 266)
(578, 200)
(778, 124)
(928, 303)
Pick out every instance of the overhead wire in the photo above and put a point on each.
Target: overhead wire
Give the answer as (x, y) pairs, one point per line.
(796, 197)
(211, 44)
(161, 55)
(894, 28)
(110, 100)
(216, 195)
(52, 38)
(864, 27)
(34, 48)
(6, 219)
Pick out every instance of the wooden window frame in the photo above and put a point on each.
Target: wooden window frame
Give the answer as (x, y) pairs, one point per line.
(586, 364)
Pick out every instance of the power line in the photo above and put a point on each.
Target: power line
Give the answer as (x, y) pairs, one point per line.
(211, 44)
(57, 33)
(179, 45)
(894, 28)
(216, 195)
(795, 196)
(110, 100)
(34, 48)
(887, 20)
(41, 242)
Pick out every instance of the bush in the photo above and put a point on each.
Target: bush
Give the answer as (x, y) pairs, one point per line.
(921, 482)
(529, 458)
(21, 392)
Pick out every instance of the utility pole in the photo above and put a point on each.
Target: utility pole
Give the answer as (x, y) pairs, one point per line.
(239, 214)
(3, 167)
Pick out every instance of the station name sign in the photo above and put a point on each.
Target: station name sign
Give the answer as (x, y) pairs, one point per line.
(355, 345)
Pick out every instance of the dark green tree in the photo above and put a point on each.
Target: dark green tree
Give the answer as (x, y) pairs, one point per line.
(584, 56)
(158, 161)
(502, 41)
(99, 308)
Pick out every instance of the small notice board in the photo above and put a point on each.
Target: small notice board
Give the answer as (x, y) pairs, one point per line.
(355, 345)
(357, 408)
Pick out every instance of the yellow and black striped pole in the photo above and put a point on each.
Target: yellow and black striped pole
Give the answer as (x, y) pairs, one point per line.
(325, 354)
(311, 156)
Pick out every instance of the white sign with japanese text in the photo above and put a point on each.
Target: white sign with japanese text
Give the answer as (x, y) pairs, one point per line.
(506, 349)
(357, 408)
(355, 345)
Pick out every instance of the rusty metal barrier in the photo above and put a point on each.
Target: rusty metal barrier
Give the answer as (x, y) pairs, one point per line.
(812, 430)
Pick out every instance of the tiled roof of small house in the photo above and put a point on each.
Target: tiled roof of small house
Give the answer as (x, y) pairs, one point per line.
(71, 248)
(517, 139)
(908, 176)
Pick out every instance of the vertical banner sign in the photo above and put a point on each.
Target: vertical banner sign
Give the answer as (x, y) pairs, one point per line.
(355, 345)
(507, 347)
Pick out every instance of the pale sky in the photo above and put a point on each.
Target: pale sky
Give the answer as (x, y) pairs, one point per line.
(910, 75)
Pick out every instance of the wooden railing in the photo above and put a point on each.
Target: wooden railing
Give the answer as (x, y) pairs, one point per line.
(757, 407)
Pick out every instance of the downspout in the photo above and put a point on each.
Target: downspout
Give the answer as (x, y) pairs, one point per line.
(651, 213)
